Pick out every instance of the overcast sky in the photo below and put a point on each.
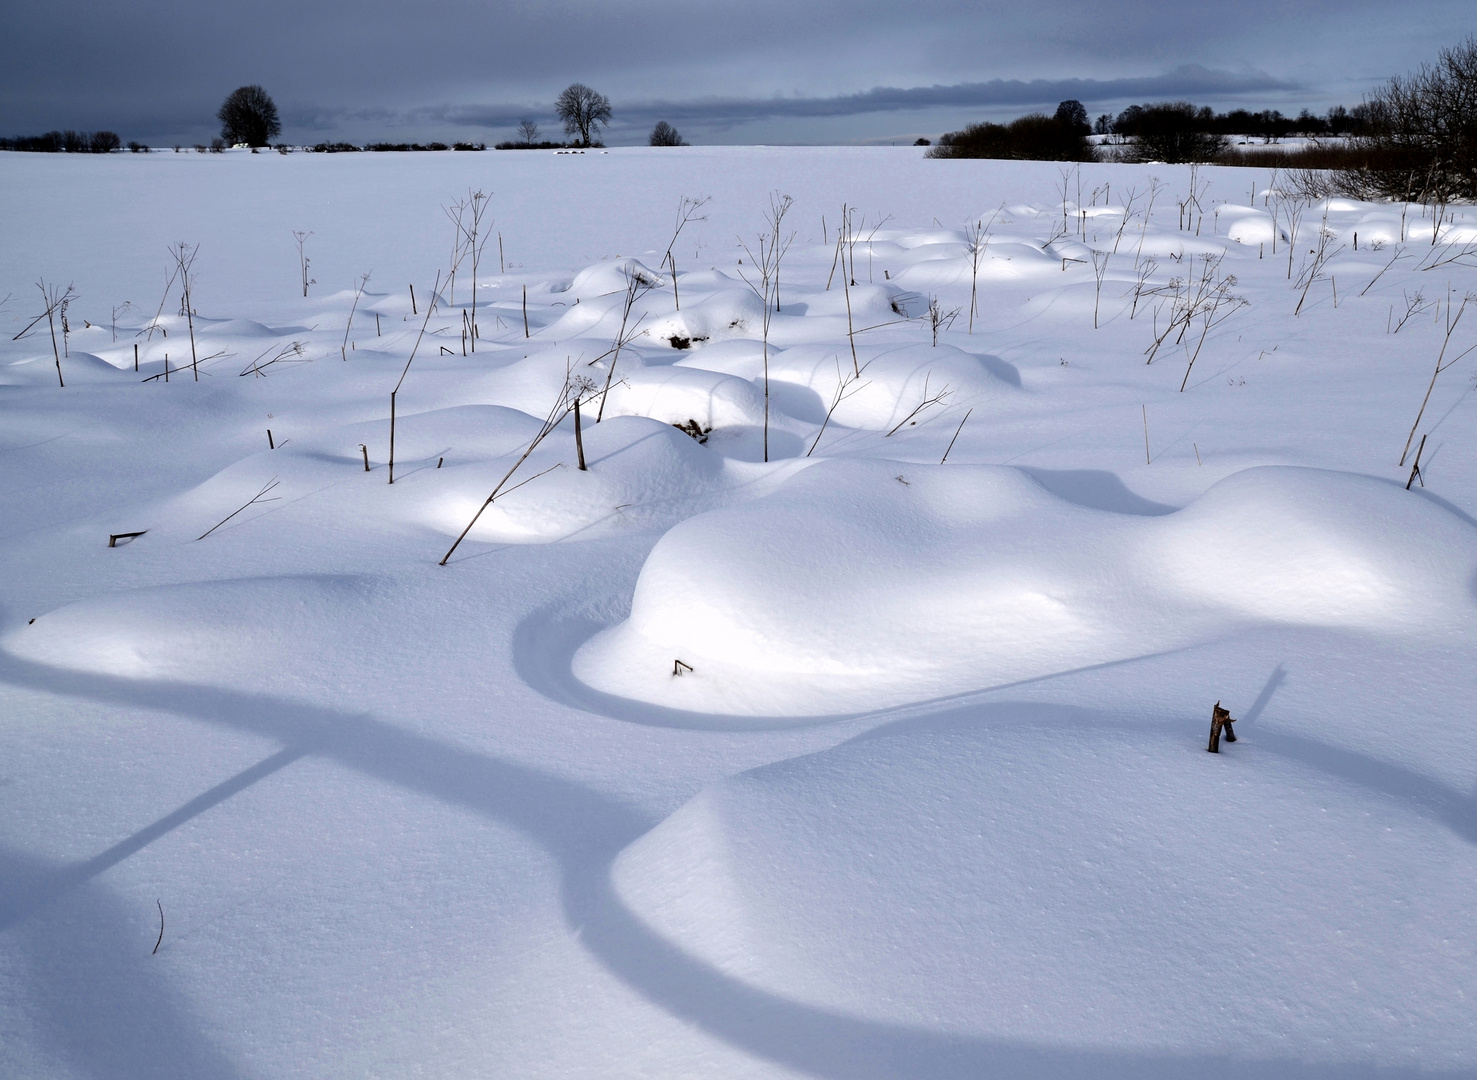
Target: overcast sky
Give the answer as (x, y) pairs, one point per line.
(779, 71)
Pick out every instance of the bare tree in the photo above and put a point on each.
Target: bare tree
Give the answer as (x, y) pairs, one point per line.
(583, 111)
(664, 134)
(249, 116)
(527, 130)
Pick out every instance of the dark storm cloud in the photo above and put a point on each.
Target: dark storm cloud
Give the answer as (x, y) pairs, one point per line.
(159, 68)
(1187, 81)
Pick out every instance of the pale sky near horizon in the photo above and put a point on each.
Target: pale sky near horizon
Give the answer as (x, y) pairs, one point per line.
(814, 71)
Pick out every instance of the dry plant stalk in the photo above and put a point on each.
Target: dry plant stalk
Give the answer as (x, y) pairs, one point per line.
(1314, 269)
(926, 403)
(435, 295)
(977, 241)
(184, 259)
(302, 259)
(687, 206)
(844, 390)
(253, 501)
(636, 286)
(358, 292)
(469, 236)
(955, 439)
(55, 299)
(1441, 365)
(772, 247)
(938, 318)
(562, 407)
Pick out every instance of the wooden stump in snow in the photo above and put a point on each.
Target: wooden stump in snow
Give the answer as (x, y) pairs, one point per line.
(1220, 719)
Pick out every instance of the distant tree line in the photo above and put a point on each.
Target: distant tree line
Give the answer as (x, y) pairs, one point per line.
(67, 142)
(1415, 138)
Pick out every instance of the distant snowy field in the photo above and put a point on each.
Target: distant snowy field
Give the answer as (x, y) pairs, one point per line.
(930, 797)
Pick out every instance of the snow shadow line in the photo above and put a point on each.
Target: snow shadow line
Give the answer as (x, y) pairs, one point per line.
(585, 831)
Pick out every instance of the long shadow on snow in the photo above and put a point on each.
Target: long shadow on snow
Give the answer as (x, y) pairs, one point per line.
(585, 831)
(102, 1003)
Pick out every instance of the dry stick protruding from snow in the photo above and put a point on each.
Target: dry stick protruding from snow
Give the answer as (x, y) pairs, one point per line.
(470, 237)
(1196, 297)
(843, 232)
(295, 349)
(257, 498)
(1399, 253)
(635, 287)
(435, 295)
(1099, 268)
(938, 318)
(1154, 187)
(1127, 214)
(1314, 269)
(926, 403)
(358, 292)
(1210, 316)
(525, 310)
(687, 206)
(1144, 271)
(1441, 365)
(772, 247)
(1415, 470)
(160, 905)
(1414, 305)
(952, 441)
(844, 390)
(977, 238)
(303, 261)
(1147, 459)
(53, 296)
(562, 407)
(184, 259)
(1450, 253)
(1295, 207)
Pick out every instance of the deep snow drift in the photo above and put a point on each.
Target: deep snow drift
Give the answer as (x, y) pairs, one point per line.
(845, 717)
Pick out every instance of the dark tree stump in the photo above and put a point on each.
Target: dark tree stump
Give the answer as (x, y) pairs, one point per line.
(1220, 720)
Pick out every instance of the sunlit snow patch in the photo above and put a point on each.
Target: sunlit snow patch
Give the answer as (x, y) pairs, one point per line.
(866, 583)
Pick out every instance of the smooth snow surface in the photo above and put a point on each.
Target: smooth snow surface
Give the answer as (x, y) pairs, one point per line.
(845, 718)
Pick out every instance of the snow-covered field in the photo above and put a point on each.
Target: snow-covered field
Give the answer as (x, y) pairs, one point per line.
(930, 796)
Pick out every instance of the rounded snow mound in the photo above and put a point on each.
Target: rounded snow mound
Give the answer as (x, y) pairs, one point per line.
(727, 313)
(894, 380)
(611, 276)
(1247, 225)
(1073, 881)
(682, 395)
(234, 631)
(642, 474)
(860, 584)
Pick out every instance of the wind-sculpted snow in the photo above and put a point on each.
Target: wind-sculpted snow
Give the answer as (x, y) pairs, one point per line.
(861, 584)
(984, 878)
(846, 715)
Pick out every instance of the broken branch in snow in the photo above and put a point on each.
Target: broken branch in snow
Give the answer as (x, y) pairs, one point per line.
(1441, 365)
(562, 407)
(926, 403)
(257, 498)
